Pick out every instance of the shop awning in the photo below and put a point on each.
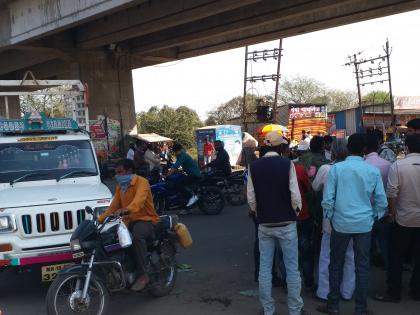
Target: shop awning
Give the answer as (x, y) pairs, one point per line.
(151, 137)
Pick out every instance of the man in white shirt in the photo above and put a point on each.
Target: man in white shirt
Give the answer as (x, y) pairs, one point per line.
(151, 158)
(403, 192)
(131, 151)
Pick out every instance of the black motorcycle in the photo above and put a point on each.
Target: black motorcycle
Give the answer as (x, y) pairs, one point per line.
(232, 186)
(167, 198)
(105, 267)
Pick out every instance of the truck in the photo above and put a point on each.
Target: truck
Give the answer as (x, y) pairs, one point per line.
(49, 173)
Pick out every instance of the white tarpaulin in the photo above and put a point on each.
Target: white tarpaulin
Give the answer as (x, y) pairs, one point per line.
(151, 137)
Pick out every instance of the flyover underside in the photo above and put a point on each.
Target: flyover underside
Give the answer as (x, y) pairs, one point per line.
(102, 51)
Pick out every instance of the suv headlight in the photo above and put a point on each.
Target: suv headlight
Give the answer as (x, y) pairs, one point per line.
(75, 245)
(7, 224)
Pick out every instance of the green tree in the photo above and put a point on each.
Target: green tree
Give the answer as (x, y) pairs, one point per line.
(53, 103)
(231, 109)
(178, 124)
(301, 90)
(376, 97)
(338, 100)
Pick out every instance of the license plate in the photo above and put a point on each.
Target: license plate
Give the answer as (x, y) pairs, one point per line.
(49, 273)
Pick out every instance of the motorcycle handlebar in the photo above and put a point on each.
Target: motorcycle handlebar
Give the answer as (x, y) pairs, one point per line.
(107, 220)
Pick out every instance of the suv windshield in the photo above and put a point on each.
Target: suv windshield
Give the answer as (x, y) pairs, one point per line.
(48, 160)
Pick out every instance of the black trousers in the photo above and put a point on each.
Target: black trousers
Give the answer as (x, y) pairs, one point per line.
(401, 238)
(183, 185)
(141, 231)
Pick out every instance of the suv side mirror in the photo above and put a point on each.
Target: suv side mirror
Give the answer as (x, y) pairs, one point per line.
(89, 210)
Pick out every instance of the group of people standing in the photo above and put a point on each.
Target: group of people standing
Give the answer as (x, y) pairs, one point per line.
(147, 157)
(344, 193)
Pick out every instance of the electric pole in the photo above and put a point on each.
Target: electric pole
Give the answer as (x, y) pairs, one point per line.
(255, 56)
(370, 68)
(276, 91)
(244, 111)
(391, 98)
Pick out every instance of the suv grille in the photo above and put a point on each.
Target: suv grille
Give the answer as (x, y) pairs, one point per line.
(55, 222)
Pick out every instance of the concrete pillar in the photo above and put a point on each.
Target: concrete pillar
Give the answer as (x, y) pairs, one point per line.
(13, 105)
(110, 86)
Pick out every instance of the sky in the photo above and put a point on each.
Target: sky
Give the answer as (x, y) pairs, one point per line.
(205, 82)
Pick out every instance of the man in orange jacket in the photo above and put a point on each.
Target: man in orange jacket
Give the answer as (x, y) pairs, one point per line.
(133, 200)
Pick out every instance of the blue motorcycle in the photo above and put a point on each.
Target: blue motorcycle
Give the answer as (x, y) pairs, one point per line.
(166, 197)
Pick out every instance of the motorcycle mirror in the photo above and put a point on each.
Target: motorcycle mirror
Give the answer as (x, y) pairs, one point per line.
(89, 210)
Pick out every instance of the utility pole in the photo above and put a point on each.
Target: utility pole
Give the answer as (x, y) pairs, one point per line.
(369, 68)
(276, 92)
(255, 56)
(391, 98)
(359, 94)
(245, 81)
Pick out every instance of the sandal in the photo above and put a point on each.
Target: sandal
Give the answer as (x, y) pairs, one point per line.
(386, 298)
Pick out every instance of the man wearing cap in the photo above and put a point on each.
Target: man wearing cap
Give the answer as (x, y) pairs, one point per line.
(274, 198)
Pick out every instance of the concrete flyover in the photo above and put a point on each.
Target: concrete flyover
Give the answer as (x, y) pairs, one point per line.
(100, 41)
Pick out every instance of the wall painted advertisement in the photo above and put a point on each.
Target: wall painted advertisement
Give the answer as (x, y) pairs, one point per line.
(106, 135)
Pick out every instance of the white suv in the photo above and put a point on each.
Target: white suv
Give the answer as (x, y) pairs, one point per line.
(48, 175)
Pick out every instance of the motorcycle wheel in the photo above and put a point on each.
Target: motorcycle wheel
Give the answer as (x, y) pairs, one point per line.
(62, 299)
(236, 196)
(167, 272)
(212, 201)
(159, 203)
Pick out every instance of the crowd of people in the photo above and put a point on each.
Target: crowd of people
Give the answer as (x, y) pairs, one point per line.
(338, 202)
(147, 157)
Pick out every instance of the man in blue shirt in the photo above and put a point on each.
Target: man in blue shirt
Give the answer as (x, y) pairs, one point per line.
(354, 197)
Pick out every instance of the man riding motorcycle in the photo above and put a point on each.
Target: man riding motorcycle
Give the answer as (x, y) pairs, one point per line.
(133, 200)
(222, 162)
(190, 167)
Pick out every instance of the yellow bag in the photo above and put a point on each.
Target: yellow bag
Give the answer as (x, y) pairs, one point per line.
(184, 236)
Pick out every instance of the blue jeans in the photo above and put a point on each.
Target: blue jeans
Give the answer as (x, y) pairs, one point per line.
(287, 237)
(339, 244)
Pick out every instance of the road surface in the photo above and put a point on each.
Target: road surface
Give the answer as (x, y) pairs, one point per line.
(222, 267)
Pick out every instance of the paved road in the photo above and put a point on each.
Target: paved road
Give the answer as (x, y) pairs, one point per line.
(222, 265)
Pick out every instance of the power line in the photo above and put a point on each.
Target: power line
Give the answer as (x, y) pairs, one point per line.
(255, 56)
(365, 73)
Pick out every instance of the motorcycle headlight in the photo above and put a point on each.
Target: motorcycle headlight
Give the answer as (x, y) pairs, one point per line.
(75, 245)
(99, 210)
(7, 224)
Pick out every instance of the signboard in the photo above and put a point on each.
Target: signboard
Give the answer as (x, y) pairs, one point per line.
(406, 103)
(340, 133)
(305, 112)
(331, 125)
(106, 141)
(37, 122)
(231, 135)
(376, 120)
(97, 131)
(308, 117)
